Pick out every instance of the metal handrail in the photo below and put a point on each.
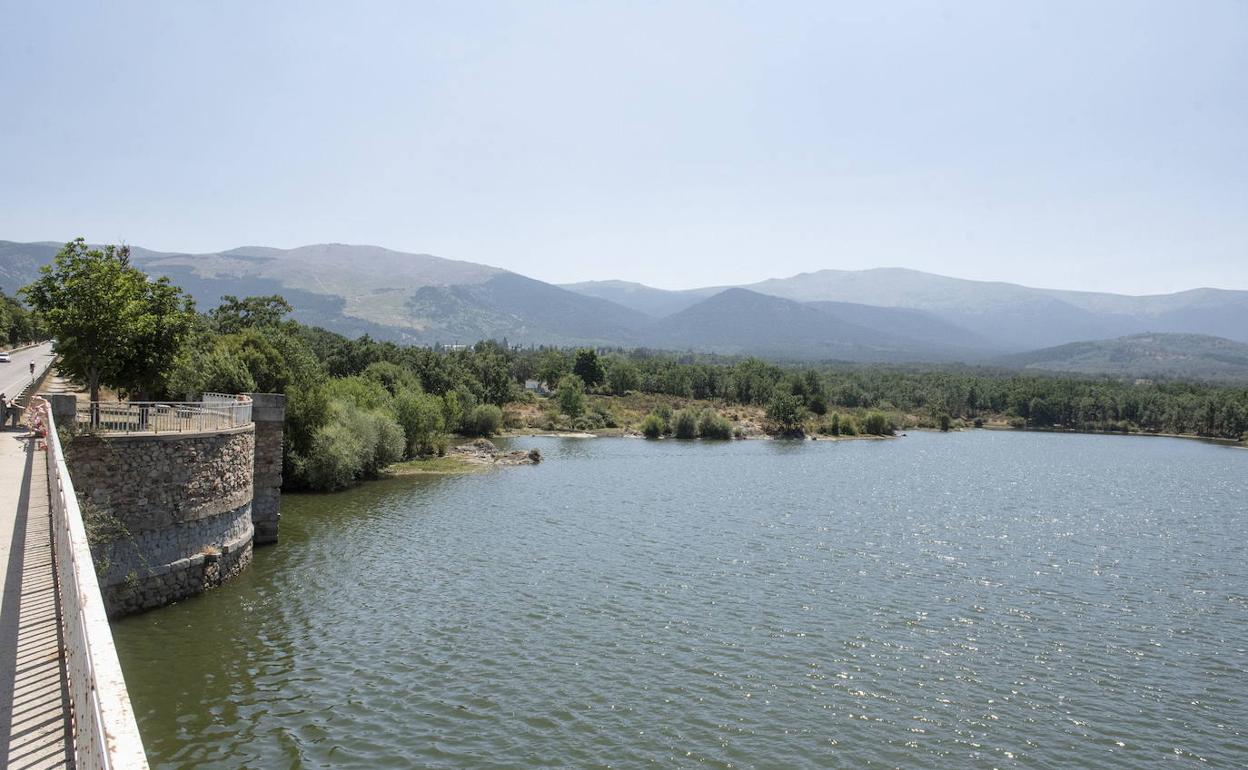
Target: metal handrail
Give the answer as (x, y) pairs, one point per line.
(215, 411)
(106, 734)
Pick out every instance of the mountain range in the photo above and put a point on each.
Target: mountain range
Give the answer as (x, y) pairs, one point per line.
(885, 314)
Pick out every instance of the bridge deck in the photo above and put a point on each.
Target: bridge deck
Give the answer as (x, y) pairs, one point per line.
(35, 730)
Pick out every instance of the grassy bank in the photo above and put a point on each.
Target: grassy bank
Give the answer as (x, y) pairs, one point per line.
(434, 466)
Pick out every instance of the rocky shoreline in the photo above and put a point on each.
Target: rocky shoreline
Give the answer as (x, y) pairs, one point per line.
(484, 452)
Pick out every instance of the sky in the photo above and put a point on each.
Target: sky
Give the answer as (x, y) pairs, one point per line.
(1099, 146)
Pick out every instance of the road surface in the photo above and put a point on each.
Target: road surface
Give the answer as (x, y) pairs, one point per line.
(16, 375)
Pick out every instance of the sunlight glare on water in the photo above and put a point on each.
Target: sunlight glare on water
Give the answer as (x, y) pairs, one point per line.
(980, 599)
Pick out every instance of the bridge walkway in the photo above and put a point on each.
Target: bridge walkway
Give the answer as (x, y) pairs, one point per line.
(35, 722)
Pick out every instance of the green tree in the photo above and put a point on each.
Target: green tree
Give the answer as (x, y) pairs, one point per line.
(785, 414)
(589, 367)
(622, 376)
(17, 324)
(113, 326)
(571, 396)
(551, 368)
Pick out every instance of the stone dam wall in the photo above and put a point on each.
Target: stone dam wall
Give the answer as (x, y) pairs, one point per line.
(172, 515)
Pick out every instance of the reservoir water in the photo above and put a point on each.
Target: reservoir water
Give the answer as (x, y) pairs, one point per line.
(969, 600)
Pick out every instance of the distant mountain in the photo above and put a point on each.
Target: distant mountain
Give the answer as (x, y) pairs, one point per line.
(747, 322)
(1019, 317)
(655, 303)
(522, 310)
(917, 327)
(414, 298)
(1001, 316)
(20, 263)
(1186, 356)
(887, 314)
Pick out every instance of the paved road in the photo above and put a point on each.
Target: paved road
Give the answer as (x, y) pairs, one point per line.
(16, 375)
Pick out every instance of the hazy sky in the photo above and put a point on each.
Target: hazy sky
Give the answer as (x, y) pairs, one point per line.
(1099, 145)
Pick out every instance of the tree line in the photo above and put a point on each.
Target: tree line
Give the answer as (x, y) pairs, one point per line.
(355, 406)
(17, 324)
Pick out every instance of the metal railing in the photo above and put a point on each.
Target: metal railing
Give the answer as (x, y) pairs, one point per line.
(215, 411)
(105, 732)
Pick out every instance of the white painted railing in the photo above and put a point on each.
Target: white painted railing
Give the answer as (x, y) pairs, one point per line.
(237, 407)
(216, 411)
(105, 733)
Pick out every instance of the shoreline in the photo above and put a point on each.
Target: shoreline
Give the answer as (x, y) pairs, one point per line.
(625, 433)
(1228, 442)
(463, 463)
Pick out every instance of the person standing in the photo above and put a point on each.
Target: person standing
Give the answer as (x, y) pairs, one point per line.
(4, 409)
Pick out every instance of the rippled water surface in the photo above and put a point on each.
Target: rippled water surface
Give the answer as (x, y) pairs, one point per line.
(970, 600)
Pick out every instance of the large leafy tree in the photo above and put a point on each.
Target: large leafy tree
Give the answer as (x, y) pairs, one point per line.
(589, 367)
(551, 368)
(113, 326)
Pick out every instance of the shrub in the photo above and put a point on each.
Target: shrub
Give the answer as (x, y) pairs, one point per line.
(848, 425)
(332, 462)
(420, 416)
(785, 413)
(484, 420)
(1018, 423)
(652, 426)
(831, 426)
(586, 422)
(713, 426)
(685, 424)
(876, 424)
(664, 413)
(944, 421)
(391, 442)
(604, 416)
(513, 420)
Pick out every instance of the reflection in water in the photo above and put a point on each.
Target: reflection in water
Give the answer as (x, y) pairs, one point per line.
(968, 600)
